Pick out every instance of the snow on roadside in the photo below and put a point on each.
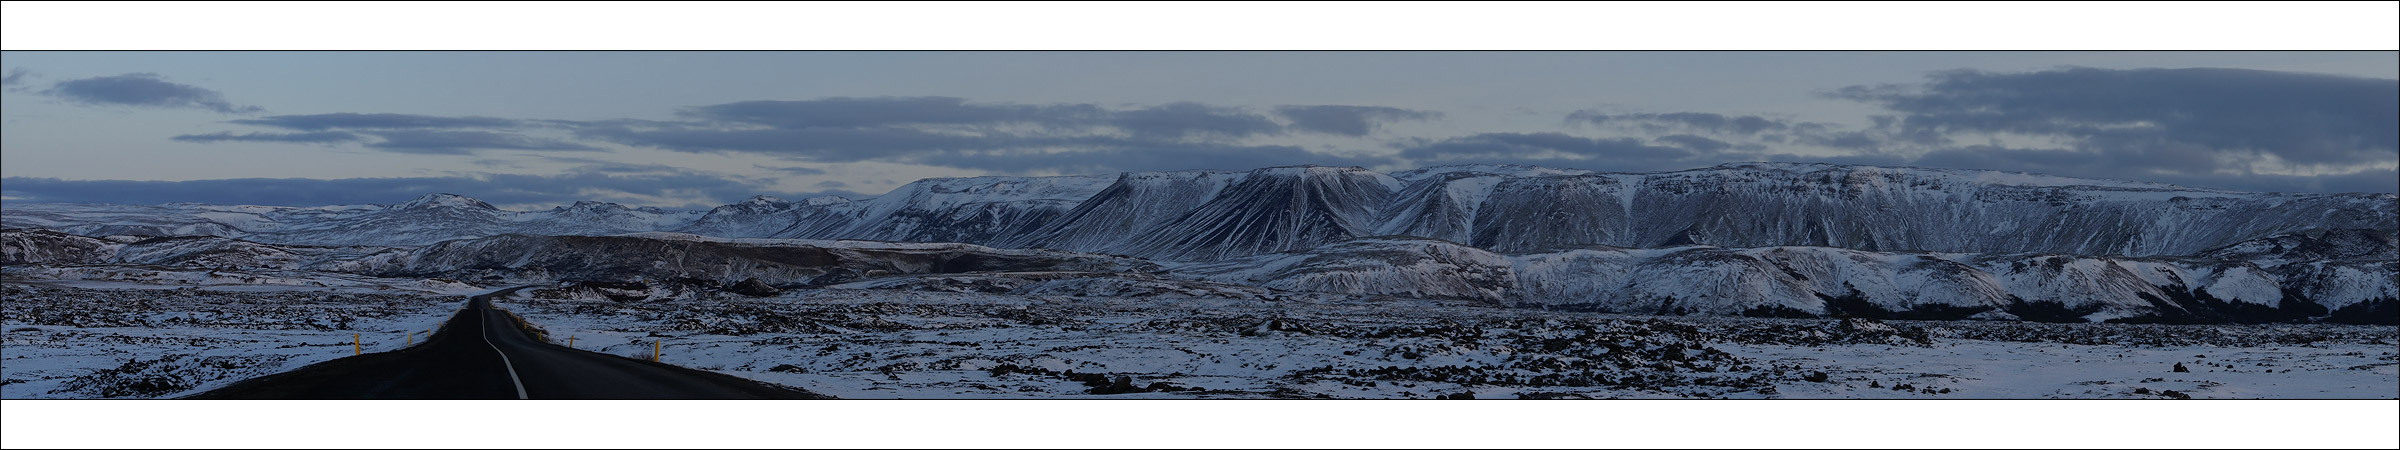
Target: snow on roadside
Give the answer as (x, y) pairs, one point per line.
(65, 342)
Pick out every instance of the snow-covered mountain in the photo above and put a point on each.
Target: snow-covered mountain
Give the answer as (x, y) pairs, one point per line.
(424, 220)
(1823, 281)
(1868, 208)
(1213, 215)
(1399, 266)
(975, 210)
(711, 261)
(757, 217)
(1748, 238)
(32, 246)
(1134, 204)
(1270, 210)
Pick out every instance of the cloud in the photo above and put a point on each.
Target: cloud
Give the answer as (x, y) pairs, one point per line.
(821, 144)
(1711, 132)
(322, 137)
(319, 122)
(2379, 181)
(2049, 161)
(1558, 150)
(936, 131)
(2230, 129)
(1186, 119)
(795, 170)
(1156, 157)
(1847, 140)
(605, 166)
(1171, 121)
(2234, 117)
(2191, 170)
(1701, 121)
(463, 142)
(15, 77)
(400, 133)
(847, 112)
(143, 90)
(951, 132)
(1551, 149)
(505, 189)
(1346, 120)
(1694, 143)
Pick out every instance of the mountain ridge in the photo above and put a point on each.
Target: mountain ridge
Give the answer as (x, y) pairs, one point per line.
(1204, 215)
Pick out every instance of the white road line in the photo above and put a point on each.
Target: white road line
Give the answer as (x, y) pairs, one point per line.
(512, 368)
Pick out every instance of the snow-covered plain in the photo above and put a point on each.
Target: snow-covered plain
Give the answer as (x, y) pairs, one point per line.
(880, 343)
(89, 339)
(72, 340)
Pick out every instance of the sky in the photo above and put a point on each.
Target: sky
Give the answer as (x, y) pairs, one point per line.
(697, 129)
(702, 128)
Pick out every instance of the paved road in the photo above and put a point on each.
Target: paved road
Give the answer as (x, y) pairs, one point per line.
(481, 354)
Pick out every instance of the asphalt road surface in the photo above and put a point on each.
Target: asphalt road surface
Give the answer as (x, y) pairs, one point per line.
(481, 354)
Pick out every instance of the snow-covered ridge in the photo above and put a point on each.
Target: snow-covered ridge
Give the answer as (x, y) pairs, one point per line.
(447, 200)
(1215, 215)
(650, 257)
(1821, 281)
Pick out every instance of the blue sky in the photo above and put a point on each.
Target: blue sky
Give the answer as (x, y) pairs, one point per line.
(704, 128)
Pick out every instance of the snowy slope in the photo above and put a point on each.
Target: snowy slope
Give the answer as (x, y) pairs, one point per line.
(36, 246)
(1749, 238)
(589, 218)
(973, 210)
(660, 257)
(759, 216)
(1271, 210)
(1208, 215)
(1136, 203)
(1822, 281)
(1386, 265)
(1861, 207)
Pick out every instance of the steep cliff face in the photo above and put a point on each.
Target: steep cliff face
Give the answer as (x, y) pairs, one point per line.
(1113, 218)
(1271, 210)
(973, 210)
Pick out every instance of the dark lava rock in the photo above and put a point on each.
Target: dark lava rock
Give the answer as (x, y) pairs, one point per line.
(754, 288)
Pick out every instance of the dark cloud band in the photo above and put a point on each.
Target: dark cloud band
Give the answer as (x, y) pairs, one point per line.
(143, 90)
(2296, 117)
(323, 137)
(320, 122)
(495, 188)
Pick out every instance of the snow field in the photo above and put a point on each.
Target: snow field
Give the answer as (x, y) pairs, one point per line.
(908, 344)
(166, 343)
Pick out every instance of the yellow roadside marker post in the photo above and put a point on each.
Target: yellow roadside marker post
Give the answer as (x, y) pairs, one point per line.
(654, 346)
(354, 349)
(570, 341)
(412, 337)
